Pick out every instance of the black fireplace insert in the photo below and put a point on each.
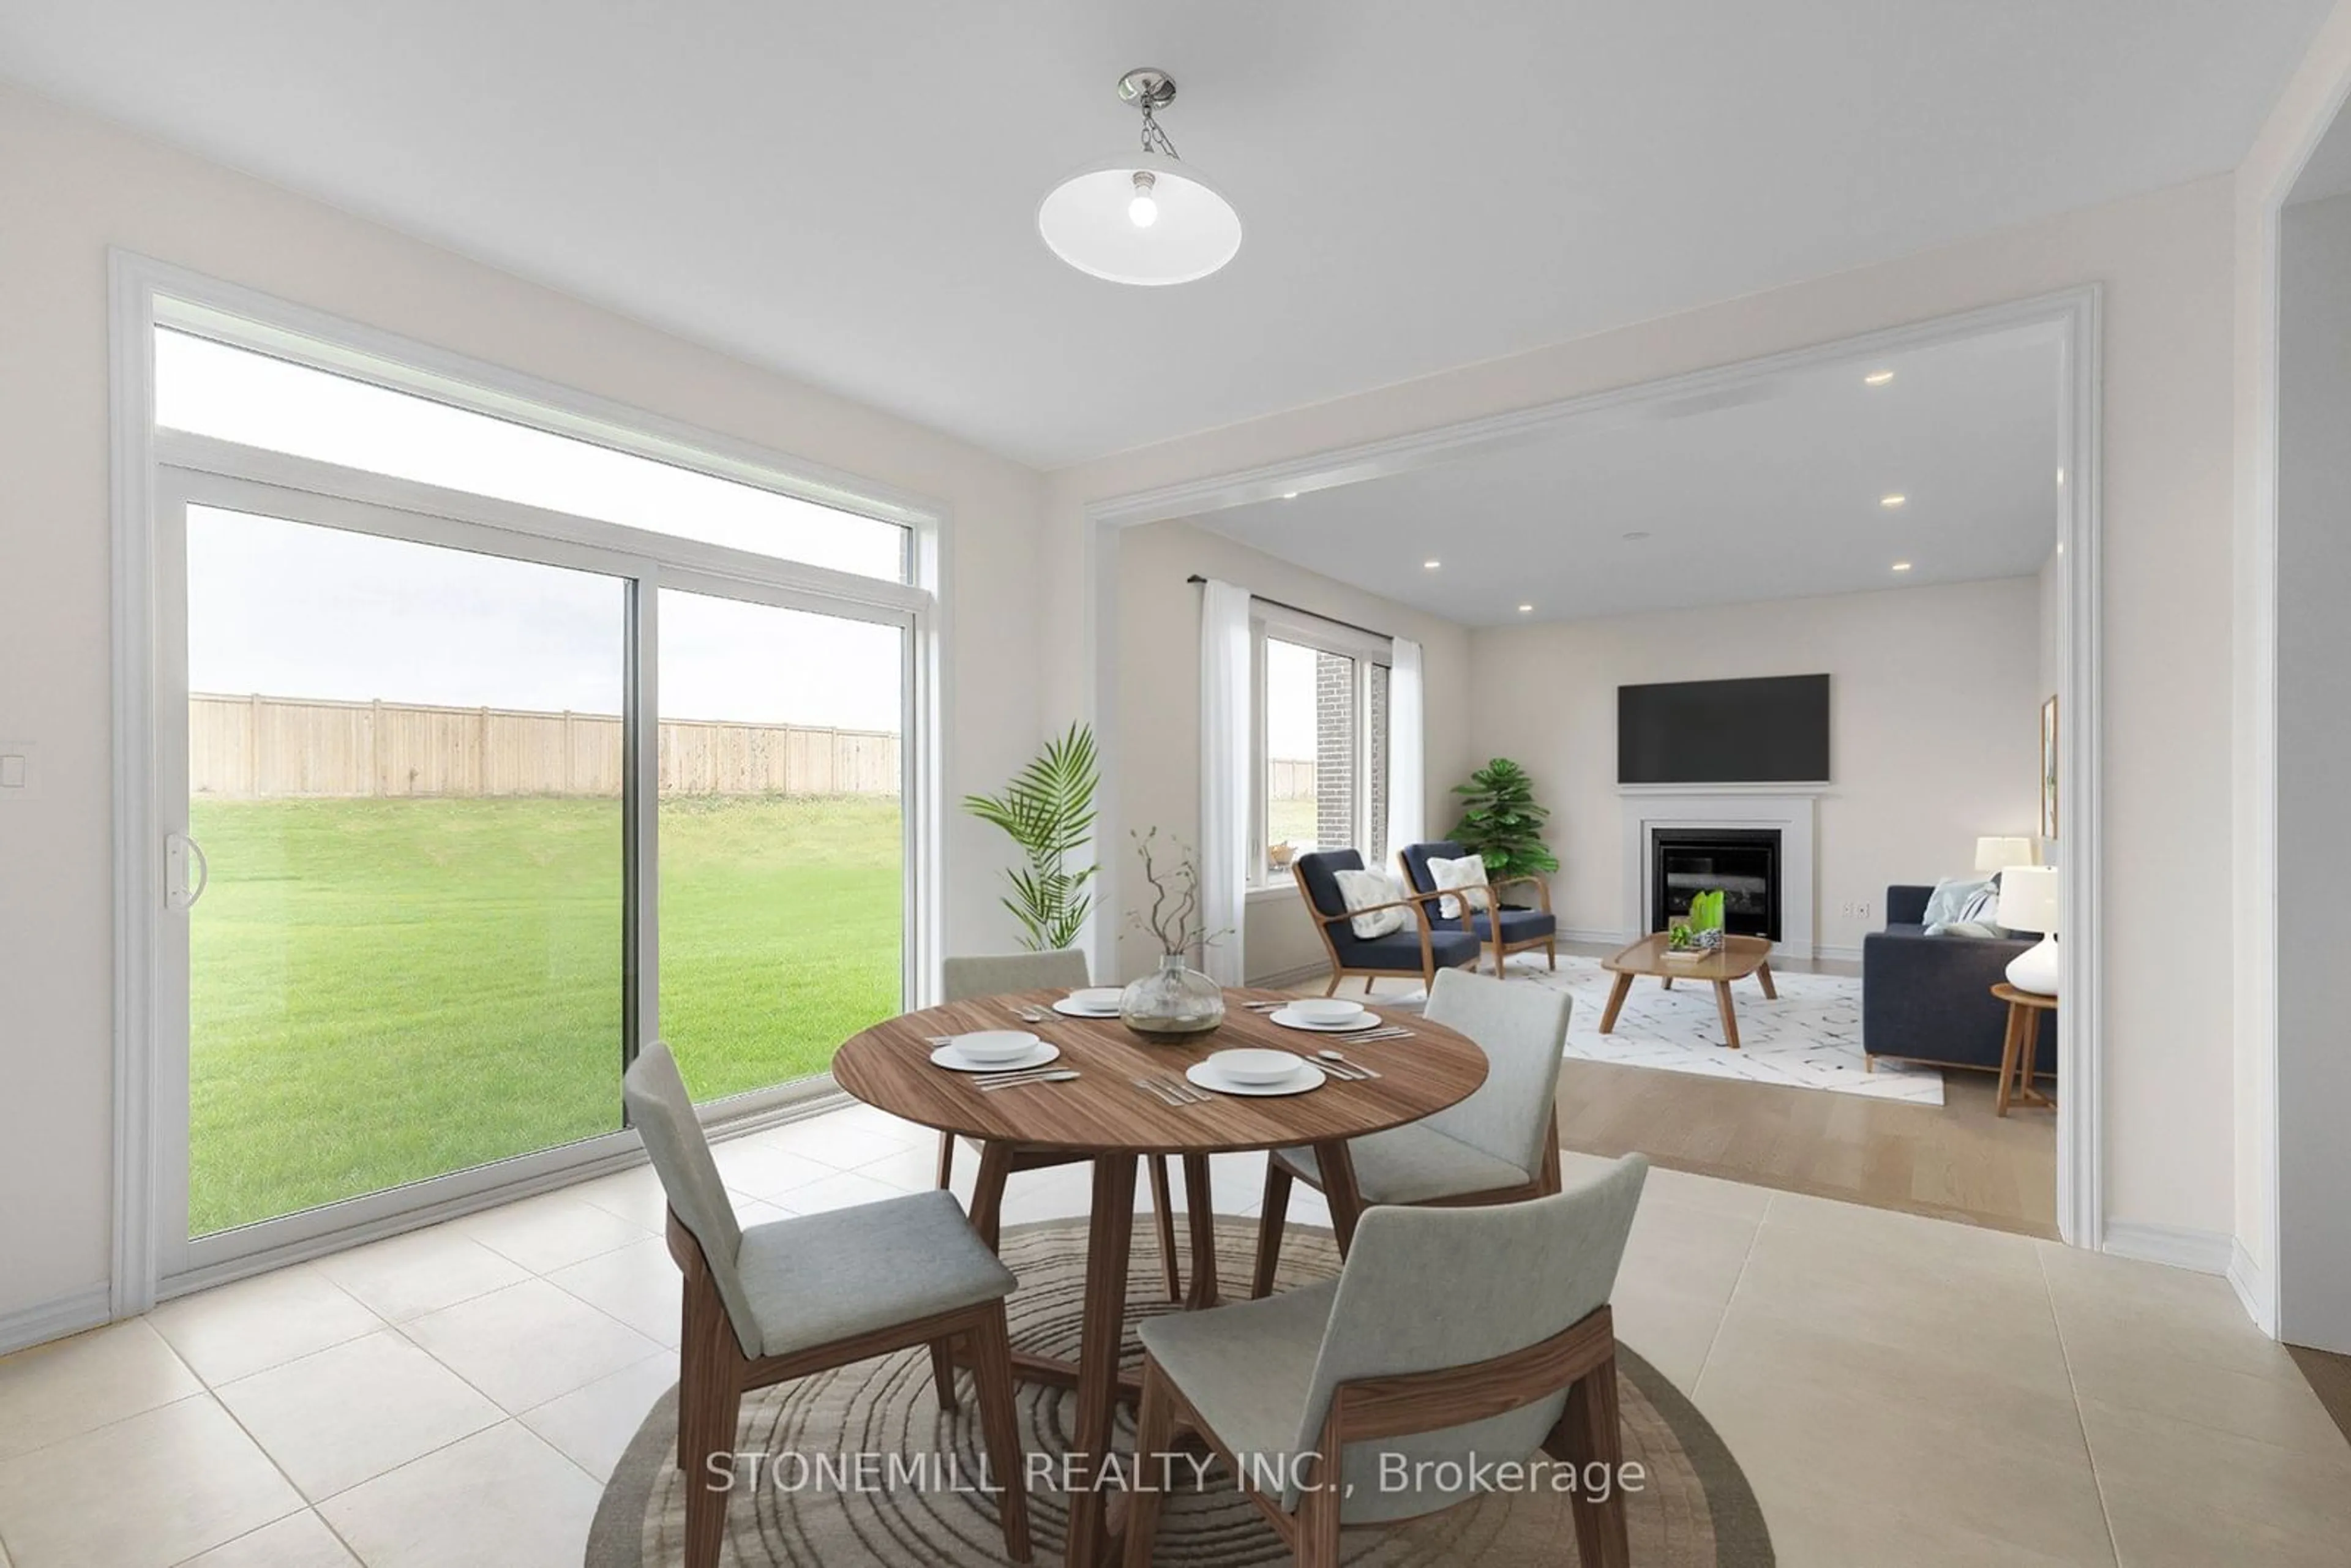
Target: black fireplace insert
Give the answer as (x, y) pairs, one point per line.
(1743, 863)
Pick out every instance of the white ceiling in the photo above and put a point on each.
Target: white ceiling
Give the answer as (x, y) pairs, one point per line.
(1772, 492)
(847, 191)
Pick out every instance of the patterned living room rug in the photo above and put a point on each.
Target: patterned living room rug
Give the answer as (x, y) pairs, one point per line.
(1694, 1508)
(1809, 1039)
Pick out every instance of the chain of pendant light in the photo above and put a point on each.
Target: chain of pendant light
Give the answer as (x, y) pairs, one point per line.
(1154, 138)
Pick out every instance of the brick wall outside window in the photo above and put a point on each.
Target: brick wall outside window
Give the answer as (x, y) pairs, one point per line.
(1377, 850)
(1334, 751)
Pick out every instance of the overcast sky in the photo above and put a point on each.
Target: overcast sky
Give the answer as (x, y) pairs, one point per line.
(290, 610)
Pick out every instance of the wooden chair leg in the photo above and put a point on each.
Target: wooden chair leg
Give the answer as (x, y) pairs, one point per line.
(942, 1372)
(1155, 1435)
(1551, 951)
(991, 1345)
(1271, 1215)
(709, 1401)
(1164, 1203)
(1317, 1542)
(947, 1160)
(1588, 1435)
(1337, 974)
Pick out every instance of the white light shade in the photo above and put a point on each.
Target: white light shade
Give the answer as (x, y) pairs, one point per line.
(1999, 854)
(1085, 220)
(2028, 898)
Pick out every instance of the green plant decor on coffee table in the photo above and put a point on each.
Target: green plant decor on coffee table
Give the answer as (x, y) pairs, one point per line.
(1049, 810)
(1501, 821)
(1705, 916)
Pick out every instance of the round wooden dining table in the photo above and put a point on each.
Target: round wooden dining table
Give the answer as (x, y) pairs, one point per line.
(1105, 1116)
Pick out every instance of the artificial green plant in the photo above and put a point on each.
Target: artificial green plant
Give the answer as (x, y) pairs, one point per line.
(1048, 810)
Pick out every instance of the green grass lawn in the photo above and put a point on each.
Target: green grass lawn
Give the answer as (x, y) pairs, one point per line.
(386, 990)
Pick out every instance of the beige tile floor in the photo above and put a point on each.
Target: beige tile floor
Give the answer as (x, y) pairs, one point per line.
(1900, 1390)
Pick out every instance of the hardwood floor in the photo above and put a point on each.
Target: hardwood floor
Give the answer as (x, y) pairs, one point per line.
(1954, 1161)
(2330, 1378)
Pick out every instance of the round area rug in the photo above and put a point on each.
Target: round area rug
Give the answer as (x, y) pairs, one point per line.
(1694, 1509)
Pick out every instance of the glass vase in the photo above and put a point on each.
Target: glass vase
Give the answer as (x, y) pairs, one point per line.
(1174, 1002)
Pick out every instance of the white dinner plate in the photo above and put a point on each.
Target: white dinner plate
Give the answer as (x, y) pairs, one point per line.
(955, 1061)
(1308, 1076)
(1288, 1020)
(1068, 1008)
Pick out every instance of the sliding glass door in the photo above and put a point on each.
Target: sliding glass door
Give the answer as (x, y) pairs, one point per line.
(405, 793)
(782, 835)
(458, 816)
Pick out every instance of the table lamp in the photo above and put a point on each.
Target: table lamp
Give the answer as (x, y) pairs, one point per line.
(2028, 902)
(1999, 854)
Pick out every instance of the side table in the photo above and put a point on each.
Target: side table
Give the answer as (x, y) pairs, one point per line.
(2021, 1049)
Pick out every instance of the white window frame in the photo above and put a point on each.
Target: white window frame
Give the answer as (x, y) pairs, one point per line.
(151, 468)
(1274, 622)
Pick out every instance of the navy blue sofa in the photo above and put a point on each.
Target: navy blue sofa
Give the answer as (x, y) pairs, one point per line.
(1421, 948)
(1928, 999)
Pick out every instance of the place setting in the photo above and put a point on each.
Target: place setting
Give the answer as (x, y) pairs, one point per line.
(1000, 1058)
(1329, 1014)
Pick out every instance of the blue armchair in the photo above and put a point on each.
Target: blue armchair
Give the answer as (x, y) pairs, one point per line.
(1420, 948)
(1928, 999)
(1520, 926)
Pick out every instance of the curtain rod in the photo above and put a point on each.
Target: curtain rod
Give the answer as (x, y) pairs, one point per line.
(1301, 610)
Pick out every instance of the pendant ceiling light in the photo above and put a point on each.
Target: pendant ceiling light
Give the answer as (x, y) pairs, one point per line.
(1145, 217)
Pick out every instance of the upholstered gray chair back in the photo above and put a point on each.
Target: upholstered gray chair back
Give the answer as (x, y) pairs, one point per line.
(661, 1112)
(992, 975)
(1429, 1289)
(1522, 1028)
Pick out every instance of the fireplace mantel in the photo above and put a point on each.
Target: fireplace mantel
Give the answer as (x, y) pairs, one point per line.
(1791, 809)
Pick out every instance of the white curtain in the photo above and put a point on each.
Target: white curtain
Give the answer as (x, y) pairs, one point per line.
(1406, 768)
(1225, 728)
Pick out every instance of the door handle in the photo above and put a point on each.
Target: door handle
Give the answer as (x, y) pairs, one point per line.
(178, 849)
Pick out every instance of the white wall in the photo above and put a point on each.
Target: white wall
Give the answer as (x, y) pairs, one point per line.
(1933, 730)
(1157, 754)
(69, 188)
(2304, 111)
(2313, 763)
(2164, 261)
(2052, 631)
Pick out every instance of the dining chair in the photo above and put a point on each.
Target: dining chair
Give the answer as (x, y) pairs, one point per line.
(1514, 929)
(804, 1295)
(1059, 969)
(1498, 1145)
(1448, 1335)
(1422, 948)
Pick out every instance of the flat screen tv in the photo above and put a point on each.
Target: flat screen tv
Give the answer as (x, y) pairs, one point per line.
(1771, 730)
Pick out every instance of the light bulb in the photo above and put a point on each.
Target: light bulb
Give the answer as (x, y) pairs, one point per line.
(1143, 211)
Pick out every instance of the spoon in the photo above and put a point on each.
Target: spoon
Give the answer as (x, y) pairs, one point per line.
(1356, 1067)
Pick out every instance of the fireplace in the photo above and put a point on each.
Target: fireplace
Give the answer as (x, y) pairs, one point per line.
(1743, 863)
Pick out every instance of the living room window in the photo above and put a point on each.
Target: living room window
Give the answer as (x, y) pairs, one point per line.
(1322, 742)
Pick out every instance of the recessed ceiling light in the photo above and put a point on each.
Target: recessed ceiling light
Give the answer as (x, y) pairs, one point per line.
(1902, 566)
(1526, 609)
(1877, 378)
(1892, 502)
(2060, 475)
(1637, 534)
(1430, 564)
(1290, 495)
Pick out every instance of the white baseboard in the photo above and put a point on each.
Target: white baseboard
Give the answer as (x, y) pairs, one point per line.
(1842, 955)
(2252, 1283)
(54, 1319)
(2205, 1252)
(1594, 934)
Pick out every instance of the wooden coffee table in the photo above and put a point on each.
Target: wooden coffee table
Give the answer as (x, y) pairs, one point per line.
(1738, 958)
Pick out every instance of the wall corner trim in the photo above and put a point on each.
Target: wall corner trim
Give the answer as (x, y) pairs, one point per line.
(42, 1322)
(2254, 1293)
(2204, 1251)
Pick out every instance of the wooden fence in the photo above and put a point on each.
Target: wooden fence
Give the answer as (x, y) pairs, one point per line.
(260, 747)
(1290, 781)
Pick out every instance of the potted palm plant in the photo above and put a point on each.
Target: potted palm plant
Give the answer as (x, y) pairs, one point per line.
(1048, 810)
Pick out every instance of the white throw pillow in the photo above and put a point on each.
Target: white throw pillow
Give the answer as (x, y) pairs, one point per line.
(1364, 889)
(1469, 871)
